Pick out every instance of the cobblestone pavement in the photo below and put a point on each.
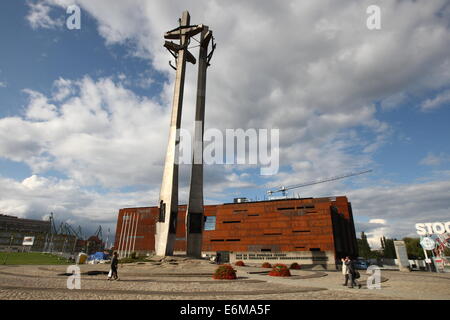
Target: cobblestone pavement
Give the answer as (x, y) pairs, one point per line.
(192, 280)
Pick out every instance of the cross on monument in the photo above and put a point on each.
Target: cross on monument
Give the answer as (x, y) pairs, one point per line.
(168, 199)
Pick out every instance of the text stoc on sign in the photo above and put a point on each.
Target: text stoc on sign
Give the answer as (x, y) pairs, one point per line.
(432, 228)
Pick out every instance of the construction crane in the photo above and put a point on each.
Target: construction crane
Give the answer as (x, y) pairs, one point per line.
(99, 233)
(48, 247)
(301, 185)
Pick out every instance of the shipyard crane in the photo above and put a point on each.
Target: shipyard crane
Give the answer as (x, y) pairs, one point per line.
(283, 189)
(99, 233)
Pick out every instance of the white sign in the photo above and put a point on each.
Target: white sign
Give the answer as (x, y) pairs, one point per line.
(427, 243)
(28, 241)
(424, 229)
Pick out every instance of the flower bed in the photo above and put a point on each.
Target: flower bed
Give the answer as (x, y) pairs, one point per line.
(295, 266)
(266, 265)
(225, 272)
(239, 263)
(280, 270)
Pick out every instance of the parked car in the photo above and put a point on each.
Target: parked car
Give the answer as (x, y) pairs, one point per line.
(361, 264)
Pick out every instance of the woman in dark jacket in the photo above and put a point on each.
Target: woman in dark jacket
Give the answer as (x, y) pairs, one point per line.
(352, 273)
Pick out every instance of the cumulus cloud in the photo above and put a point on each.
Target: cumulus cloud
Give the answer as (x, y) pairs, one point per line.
(39, 16)
(36, 196)
(435, 160)
(440, 100)
(394, 210)
(101, 135)
(314, 84)
(39, 108)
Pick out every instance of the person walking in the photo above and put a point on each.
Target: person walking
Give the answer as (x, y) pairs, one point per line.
(352, 273)
(345, 271)
(114, 266)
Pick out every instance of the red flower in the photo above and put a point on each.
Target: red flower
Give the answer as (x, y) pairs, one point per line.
(295, 266)
(280, 270)
(225, 272)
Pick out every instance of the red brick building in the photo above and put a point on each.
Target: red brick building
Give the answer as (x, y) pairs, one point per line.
(287, 225)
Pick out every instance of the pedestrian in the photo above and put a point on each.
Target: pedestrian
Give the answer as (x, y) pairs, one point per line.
(352, 273)
(344, 271)
(114, 265)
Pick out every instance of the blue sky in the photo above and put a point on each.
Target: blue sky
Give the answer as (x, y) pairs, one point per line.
(84, 113)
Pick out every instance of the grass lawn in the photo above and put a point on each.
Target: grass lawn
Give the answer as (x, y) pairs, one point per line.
(131, 260)
(31, 258)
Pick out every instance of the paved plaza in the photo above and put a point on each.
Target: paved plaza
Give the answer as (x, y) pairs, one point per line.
(192, 280)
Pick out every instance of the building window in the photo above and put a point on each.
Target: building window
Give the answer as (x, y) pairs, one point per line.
(297, 231)
(210, 223)
(231, 221)
(314, 249)
(309, 206)
(253, 215)
(272, 234)
(289, 208)
(233, 240)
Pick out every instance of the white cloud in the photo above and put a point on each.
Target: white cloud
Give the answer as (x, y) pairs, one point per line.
(35, 197)
(39, 108)
(39, 16)
(62, 88)
(103, 134)
(435, 160)
(379, 221)
(439, 101)
(313, 84)
(394, 210)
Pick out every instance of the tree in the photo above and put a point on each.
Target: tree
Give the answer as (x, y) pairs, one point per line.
(388, 248)
(364, 247)
(414, 248)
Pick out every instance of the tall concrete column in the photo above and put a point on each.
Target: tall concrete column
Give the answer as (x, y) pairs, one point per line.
(168, 199)
(194, 213)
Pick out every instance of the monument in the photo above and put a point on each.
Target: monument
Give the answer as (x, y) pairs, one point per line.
(194, 213)
(168, 199)
(402, 256)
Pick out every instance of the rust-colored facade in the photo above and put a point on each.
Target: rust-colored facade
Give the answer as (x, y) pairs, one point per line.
(313, 224)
